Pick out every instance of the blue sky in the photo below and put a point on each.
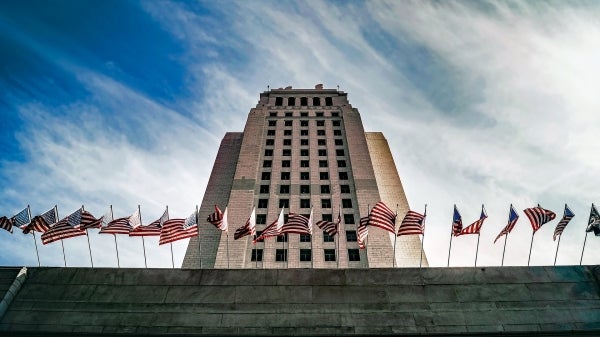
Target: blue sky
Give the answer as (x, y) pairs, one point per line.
(124, 103)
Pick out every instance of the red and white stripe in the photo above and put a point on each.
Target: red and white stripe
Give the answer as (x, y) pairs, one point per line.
(117, 226)
(173, 230)
(383, 217)
(362, 231)
(538, 216)
(297, 224)
(413, 223)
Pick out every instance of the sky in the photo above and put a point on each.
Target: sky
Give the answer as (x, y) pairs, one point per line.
(124, 103)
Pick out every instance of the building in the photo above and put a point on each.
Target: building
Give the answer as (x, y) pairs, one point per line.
(303, 148)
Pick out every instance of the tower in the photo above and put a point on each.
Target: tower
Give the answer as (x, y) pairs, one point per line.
(302, 148)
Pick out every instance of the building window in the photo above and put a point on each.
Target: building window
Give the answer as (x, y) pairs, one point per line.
(345, 188)
(323, 153)
(337, 132)
(303, 142)
(286, 152)
(321, 123)
(282, 237)
(304, 176)
(263, 203)
(322, 163)
(265, 176)
(339, 142)
(343, 175)
(346, 203)
(287, 142)
(321, 142)
(335, 123)
(353, 255)
(284, 203)
(288, 123)
(284, 189)
(329, 254)
(273, 114)
(303, 114)
(304, 203)
(264, 188)
(328, 101)
(316, 101)
(305, 255)
(270, 142)
(327, 237)
(303, 132)
(258, 233)
(267, 163)
(303, 101)
(341, 163)
(335, 114)
(272, 123)
(304, 189)
(304, 238)
(323, 175)
(349, 219)
(303, 123)
(320, 132)
(285, 176)
(351, 236)
(278, 101)
(327, 217)
(304, 163)
(268, 153)
(285, 220)
(339, 152)
(320, 114)
(325, 189)
(288, 114)
(281, 255)
(287, 132)
(285, 163)
(270, 132)
(257, 255)
(325, 203)
(291, 101)
(261, 219)
(304, 153)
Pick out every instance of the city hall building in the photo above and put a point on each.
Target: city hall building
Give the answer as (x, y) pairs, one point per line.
(303, 149)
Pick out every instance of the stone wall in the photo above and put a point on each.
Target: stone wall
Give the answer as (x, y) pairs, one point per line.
(407, 301)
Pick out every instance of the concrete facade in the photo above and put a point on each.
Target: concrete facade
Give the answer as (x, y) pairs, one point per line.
(303, 148)
(499, 301)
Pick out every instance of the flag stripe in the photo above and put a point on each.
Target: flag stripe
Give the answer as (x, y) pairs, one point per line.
(512, 221)
(6, 224)
(413, 223)
(382, 216)
(362, 231)
(538, 216)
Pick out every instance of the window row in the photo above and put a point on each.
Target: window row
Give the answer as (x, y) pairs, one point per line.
(319, 122)
(303, 142)
(305, 152)
(304, 203)
(303, 114)
(303, 132)
(304, 189)
(287, 163)
(305, 255)
(291, 101)
(303, 175)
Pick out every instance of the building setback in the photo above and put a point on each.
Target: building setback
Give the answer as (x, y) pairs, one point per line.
(302, 148)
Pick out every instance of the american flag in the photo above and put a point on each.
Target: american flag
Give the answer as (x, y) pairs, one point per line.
(218, 219)
(88, 221)
(41, 223)
(6, 223)
(249, 228)
(594, 221)
(362, 231)
(135, 220)
(22, 218)
(560, 227)
(331, 228)
(117, 226)
(413, 223)
(297, 224)
(475, 227)
(538, 216)
(274, 229)
(456, 222)
(153, 229)
(310, 222)
(382, 216)
(64, 229)
(179, 229)
(512, 220)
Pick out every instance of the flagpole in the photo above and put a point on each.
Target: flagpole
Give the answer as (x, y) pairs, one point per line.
(171, 243)
(199, 243)
(61, 241)
(112, 217)
(88, 240)
(557, 245)
(143, 241)
(423, 239)
(367, 238)
(451, 234)
(530, 246)
(477, 249)
(395, 238)
(335, 241)
(227, 238)
(583, 249)
(34, 241)
(503, 250)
